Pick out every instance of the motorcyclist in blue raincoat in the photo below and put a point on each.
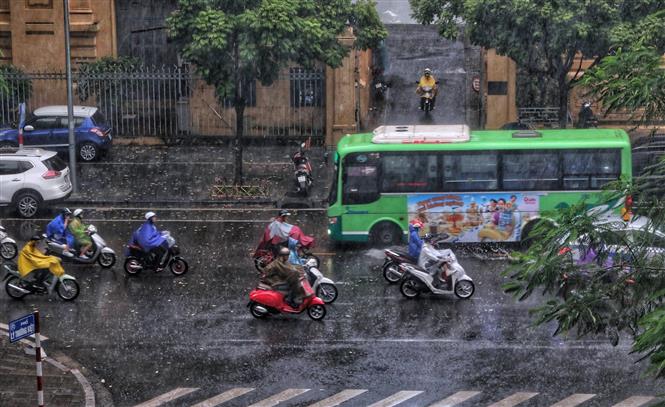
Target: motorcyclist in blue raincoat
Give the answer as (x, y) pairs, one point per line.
(415, 242)
(151, 239)
(57, 231)
(294, 252)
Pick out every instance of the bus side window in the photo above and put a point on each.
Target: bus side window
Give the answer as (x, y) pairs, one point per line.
(470, 172)
(360, 184)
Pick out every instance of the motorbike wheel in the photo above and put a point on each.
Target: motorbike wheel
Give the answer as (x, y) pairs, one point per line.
(68, 290)
(464, 289)
(316, 312)
(255, 312)
(132, 266)
(391, 272)
(409, 288)
(15, 294)
(106, 260)
(178, 266)
(327, 292)
(8, 250)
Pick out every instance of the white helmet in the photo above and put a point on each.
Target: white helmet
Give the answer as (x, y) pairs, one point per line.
(427, 70)
(149, 215)
(78, 212)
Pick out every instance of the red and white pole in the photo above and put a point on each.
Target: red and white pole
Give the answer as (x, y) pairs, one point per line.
(38, 356)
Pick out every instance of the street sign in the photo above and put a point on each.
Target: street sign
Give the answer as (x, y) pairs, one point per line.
(21, 328)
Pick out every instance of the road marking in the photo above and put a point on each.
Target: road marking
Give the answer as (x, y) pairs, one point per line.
(513, 400)
(455, 399)
(167, 397)
(396, 398)
(339, 398)
(287, 394)
(574, 400)
(224, 397)
(634, 401)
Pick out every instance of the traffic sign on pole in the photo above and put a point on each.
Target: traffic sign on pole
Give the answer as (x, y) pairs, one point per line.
(21, 123)
(21, 328)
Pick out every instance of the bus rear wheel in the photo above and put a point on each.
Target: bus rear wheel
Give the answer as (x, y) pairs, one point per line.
(385, 234)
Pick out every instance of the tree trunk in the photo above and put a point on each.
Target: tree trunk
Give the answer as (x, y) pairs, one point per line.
(237, 142)
(564, 91)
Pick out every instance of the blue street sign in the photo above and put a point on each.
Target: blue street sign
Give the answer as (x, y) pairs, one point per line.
(21, 328)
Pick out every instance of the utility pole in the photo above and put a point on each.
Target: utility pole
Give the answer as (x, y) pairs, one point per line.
(70, 101)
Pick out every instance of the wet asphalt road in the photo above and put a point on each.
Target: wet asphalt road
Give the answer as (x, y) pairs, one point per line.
(148, 335)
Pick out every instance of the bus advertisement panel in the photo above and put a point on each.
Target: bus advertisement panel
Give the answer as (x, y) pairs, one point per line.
(475, 217)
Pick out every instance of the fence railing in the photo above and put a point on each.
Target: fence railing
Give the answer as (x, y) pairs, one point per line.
(539, 116)
(173, 102)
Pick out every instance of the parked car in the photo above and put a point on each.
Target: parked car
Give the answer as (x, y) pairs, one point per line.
(49, 125)
(30, 177)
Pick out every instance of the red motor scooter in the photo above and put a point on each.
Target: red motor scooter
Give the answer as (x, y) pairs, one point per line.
(263, 300)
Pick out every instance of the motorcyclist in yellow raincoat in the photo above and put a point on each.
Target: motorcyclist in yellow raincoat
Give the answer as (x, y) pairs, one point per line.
(427, 81)
(34, 263)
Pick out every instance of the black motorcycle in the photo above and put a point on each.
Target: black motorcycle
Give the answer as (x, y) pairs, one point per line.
(585, 118)
(139, 260)
(302, 171)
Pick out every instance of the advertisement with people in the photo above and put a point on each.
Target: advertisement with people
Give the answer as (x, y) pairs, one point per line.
(480, 217)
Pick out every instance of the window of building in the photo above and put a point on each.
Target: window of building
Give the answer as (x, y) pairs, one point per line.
(409, 173)
(306, 87)
(470, 172)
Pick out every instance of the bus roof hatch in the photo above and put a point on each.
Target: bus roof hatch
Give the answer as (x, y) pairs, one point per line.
(421, 134)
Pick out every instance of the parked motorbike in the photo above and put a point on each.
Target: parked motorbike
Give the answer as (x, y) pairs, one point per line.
(17, 287)
(324, 287)
(443, 275)
(8, 248)
(263, 301)
(99, 252)
(585, 118)
(302, 171)
(396, 256)
(139, 260)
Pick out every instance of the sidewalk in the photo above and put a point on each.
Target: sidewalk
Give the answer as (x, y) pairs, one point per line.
(18, 383)
(158, 174)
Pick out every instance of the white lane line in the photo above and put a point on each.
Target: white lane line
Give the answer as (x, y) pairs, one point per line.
(634, 401)
(396, 398)
(167, 397)
(513, 400)
(573, 400)
(224, 397)
(339, 398)
(455, 399)
(278, 398)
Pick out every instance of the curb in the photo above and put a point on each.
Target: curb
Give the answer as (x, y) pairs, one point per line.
(95, 394)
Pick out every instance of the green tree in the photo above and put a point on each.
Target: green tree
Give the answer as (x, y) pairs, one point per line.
(544, 36)
(15, 87)
(234, 42)
(619, 287)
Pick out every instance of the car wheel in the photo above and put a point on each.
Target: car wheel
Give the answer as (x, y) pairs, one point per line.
(88, 152)
(27, 204)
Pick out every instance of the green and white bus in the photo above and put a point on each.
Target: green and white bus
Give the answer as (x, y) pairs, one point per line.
(471, 186)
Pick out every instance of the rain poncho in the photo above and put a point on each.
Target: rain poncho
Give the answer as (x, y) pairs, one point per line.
(31, 258)
(279, 272)
(148, 237)
(294, 258)
(278, 232)
(77, 228)
(57, 231)
(415, 242)
(427, 82)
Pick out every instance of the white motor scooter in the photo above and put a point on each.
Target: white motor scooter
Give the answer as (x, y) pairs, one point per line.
(437, 272)
(99, 252)
(8, 248)
(324, 287)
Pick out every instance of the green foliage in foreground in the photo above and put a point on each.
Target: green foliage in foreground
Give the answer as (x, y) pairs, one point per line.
(621, 291)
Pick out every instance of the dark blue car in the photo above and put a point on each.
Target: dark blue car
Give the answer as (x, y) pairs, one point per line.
(47, 127)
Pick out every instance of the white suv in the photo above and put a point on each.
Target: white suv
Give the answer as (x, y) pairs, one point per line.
(29, 177)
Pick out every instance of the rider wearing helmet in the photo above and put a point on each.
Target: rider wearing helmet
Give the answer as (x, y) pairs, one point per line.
(152, 240)
(280, 273)
(34, 263)
(57, 231)
(427, 80)
(78, 230)
(415, 242)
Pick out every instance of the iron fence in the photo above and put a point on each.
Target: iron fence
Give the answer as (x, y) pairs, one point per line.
(172, 102)
(539, 116)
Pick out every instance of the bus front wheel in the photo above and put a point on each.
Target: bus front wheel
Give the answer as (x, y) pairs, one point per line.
(386, 234)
